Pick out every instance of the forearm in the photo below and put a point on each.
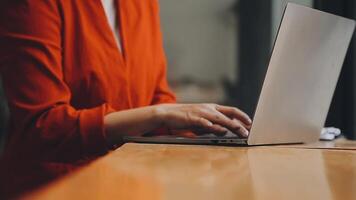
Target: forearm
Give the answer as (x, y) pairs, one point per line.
(131, 122)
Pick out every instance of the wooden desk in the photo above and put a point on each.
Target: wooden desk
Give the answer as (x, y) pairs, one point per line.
(138, 171)
(339, 144)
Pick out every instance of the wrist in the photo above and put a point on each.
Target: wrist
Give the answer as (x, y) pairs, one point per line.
(158, 115)
(109, 126)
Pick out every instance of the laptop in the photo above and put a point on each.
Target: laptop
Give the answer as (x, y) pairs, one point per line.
(303, 71)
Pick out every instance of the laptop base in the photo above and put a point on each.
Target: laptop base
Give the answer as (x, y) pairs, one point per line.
(183, 140)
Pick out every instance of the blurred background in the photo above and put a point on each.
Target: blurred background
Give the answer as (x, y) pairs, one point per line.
(218, 51)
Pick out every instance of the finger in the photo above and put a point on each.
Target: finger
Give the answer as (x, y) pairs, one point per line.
(233, 112)
(195, 121)
(202, 123)
(248, 127)
(243, 130)
(218, 130)
(218, 118)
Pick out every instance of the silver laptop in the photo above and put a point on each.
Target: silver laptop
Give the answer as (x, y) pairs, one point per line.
(302, 75)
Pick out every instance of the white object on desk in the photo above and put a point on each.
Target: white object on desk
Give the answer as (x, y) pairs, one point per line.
(330, 133)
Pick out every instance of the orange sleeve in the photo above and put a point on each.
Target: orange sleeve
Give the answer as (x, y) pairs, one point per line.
(163, 94)
(44, 125)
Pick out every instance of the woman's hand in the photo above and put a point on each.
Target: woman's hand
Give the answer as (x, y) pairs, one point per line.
(198, 118)
(203, 118)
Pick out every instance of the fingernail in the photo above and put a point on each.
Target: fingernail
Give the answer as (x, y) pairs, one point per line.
(210, 124)
(246, 133)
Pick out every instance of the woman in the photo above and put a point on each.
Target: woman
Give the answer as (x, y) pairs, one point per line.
(77, 79)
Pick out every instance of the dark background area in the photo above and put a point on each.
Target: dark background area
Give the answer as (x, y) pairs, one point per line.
(3, 117)
(255, 50)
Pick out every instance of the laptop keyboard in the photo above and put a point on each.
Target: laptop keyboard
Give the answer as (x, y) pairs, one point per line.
(227, 135)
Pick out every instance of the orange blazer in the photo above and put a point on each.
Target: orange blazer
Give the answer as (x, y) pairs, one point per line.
(62, 72)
